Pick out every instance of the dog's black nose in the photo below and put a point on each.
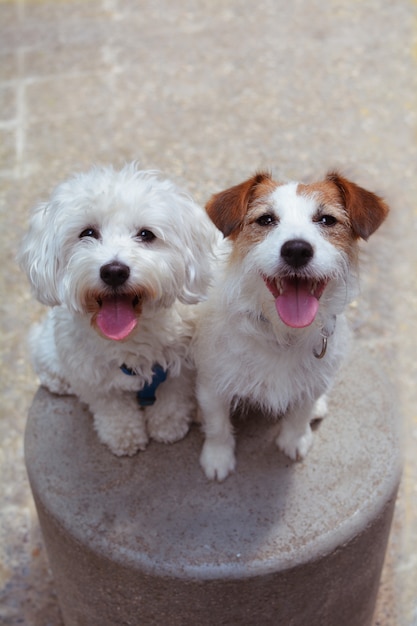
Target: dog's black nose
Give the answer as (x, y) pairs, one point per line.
(297, 252)
(114, 274)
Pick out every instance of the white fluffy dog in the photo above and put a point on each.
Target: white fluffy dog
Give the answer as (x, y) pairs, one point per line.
(272, 333)
(120, 256)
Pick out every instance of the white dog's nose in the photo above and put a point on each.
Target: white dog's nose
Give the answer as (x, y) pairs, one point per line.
(297, 252)
(114, 274)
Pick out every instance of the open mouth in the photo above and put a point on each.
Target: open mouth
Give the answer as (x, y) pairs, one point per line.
(117, 315)
(296, 299)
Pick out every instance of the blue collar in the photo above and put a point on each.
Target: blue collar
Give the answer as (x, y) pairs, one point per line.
(146, 395)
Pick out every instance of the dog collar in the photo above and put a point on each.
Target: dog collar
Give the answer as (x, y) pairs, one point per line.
(146, 395)
(326, 332)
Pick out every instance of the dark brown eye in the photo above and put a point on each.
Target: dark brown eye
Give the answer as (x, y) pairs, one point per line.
(327, 220)
(90, 232)
(145, 235)
(266, 220)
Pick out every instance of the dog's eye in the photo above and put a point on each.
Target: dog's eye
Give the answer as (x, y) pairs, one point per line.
(327, 220)
(266, 220)
(90, 232)
(145, 235)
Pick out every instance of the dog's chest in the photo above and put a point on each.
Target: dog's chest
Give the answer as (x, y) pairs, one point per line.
(273, 371)
(92, 360)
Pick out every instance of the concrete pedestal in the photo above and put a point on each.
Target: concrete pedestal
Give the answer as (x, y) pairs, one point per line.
(149, 541)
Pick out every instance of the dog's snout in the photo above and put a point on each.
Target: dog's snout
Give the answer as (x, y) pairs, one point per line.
(297, 252)
(114, 274)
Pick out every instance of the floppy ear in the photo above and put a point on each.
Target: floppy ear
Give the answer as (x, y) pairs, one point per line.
(198, 253)
(195, 239)
(228, 208)
(38, 256)
(366, 210)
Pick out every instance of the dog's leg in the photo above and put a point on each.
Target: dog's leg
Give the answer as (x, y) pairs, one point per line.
(169, 419)
(295, 437)
(120, 424)
(217, 456)
(320, 408)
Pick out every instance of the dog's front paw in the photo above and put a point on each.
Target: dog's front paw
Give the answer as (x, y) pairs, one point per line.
(217, 460)
(295, 446)
(169, 419)
(168, 428)
(123, 437)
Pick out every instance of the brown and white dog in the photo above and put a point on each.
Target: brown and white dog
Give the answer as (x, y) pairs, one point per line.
(272, 332)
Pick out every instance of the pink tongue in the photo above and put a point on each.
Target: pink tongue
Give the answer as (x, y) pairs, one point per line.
(296, 306)
(116, 318)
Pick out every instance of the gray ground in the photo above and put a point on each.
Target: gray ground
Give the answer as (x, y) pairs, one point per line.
(208, 92)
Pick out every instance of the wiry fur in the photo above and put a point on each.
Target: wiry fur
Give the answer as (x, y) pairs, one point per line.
(243, 350)
(166, 276)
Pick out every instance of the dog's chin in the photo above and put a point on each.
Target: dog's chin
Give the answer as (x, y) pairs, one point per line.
(114, 314)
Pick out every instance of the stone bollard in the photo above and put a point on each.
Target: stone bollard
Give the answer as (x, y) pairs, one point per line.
(149, 541)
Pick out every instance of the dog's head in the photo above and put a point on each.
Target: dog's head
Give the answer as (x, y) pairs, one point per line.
(298, 241)
(109, 242)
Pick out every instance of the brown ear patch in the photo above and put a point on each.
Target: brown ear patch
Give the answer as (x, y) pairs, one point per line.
(366, 210)
(228, 208)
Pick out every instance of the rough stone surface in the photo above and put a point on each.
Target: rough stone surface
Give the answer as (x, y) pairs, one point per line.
(149, 540)
(208, 92)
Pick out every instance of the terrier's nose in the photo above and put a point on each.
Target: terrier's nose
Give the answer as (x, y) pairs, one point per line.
(114, 274)
(297, 252)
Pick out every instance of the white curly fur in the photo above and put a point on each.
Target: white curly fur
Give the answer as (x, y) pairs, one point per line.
(102, 217)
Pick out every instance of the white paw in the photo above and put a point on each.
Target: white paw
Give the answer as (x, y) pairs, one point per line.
(294, 445)
(168, 428)
(122, 439)
(217, 460)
